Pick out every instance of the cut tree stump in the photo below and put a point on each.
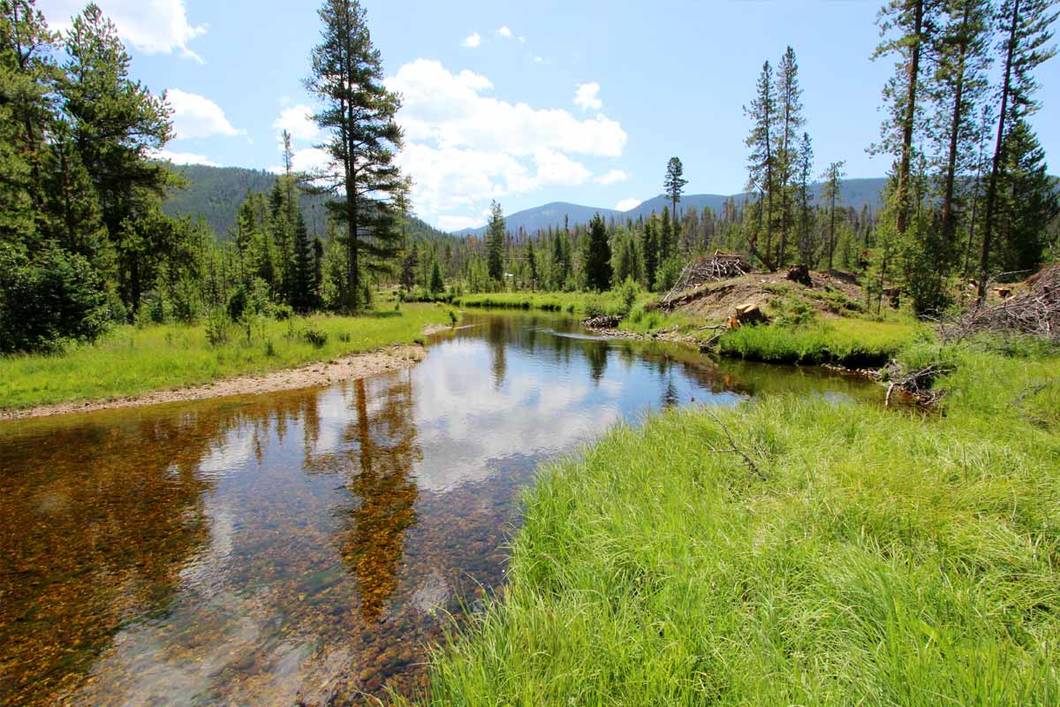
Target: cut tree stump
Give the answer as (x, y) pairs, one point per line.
(800, 274)
(749, 313)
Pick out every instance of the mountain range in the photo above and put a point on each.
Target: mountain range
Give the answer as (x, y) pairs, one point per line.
(853, 192)
(215, 193)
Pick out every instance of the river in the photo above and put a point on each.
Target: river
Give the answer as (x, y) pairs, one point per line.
(306, 546)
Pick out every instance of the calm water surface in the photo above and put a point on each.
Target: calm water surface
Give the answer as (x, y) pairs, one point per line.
(305, 546)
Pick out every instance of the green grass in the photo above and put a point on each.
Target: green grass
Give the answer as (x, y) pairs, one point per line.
(882, 558)
(130, 361)
(569, 302)
(581, 304)
(850, 341)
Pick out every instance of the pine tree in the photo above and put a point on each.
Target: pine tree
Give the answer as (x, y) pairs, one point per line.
(674, 185)
(495, 237)
(302, 267)
(436, 284)
(359, 113)
(789, 119)
(666, 236)
(531, 261)
(598, 256)
(833, 179)
(1026, 203)
(1024, 46)
(116, 124)
(958, 85)
(27, 77)
(806, 245)
(650, 249)
(762, 160)
(907, 26)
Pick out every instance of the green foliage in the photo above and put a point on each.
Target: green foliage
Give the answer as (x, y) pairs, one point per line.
(598, 256)
(49, 300)
(668, 274)
(495, 243)
(315, 336)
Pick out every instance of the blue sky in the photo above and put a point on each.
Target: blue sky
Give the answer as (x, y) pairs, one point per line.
(527, 103)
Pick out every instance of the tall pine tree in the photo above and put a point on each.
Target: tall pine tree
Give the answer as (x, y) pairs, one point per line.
(359, 115)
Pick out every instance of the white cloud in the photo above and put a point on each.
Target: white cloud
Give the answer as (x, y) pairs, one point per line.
(183, 158)
(613, 177)
(464, 148)
(458, 223)
(152, 26)
(298, 120)
(196, 116)
(587, 97)
(627, 204)
(505, 32)
(473, 40)
(306, 159)
(539, 60)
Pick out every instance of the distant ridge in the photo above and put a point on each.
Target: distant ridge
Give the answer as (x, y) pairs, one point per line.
(215, 193)
(854, 192)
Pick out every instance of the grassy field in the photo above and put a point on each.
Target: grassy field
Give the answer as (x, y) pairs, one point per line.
(130, 360)
(847, 554)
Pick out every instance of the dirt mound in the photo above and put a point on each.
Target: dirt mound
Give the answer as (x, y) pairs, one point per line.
(828, 293)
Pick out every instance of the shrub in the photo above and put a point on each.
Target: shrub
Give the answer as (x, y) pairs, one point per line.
(315, 337)
(217, 327)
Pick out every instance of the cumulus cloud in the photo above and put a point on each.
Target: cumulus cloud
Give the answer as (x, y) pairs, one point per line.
(473, 40)
(613, 177)
(196, 116)
(464, 147)
(587, 97)
(627, 204)
(153, 27)
(298, 120)
(505, 32)
(183, 158)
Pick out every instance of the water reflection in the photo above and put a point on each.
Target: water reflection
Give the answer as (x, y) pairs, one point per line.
(303, 546)
(383, 492)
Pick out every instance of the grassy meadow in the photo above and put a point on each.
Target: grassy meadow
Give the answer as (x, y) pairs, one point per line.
(792, 551)
(133, 360)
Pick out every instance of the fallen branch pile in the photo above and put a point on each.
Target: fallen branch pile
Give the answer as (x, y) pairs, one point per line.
(602, 321)
(1035, 311)
(720, 266)
(916, 384)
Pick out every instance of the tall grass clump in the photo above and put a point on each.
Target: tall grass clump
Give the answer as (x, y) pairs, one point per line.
(815, 553)
(857, 342)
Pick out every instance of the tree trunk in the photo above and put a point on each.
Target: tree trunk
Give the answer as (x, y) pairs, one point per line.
(995, 169)
(908, 121)
(831, 229)
(949, 219)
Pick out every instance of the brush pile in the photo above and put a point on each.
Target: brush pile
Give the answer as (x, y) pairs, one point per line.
(720, 266)
(1034, 310)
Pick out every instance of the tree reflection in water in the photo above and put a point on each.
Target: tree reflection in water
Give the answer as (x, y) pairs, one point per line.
(382, 460)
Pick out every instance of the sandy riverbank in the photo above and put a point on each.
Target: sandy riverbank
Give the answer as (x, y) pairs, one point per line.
(311, 375)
